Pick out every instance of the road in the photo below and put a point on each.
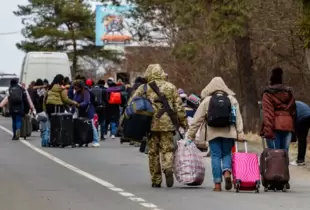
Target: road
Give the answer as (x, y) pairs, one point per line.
(115, 177)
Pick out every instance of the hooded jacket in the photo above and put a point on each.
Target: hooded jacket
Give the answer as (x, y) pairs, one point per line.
(279, 109)
(208, 133)
(154, 72)
(57, 96)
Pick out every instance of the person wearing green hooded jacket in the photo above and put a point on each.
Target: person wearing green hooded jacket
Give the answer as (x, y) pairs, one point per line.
(55, 101)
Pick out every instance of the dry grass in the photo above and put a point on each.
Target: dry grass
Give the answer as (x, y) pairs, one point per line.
(253, 138)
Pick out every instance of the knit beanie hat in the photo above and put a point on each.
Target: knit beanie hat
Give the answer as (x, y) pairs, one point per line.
(276, 77)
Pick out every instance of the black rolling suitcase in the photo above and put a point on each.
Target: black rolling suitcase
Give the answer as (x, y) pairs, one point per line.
(35, 124)
(26, 128)
(83, 132)
(61, 130)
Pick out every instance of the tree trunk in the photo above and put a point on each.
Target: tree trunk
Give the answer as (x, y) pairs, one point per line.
(307, 54)
(249, 94)
(74, 69)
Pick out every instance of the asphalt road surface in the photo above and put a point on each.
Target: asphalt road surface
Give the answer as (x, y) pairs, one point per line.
(115, 177)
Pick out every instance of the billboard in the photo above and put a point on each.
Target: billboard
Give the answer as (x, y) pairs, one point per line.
(111, 26)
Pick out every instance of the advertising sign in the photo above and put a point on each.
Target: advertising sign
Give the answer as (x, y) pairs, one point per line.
(111, 27)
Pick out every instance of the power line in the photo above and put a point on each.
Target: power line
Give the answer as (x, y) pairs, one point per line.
(9, 33)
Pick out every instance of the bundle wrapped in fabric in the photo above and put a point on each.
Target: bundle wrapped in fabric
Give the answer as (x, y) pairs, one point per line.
(188, 164)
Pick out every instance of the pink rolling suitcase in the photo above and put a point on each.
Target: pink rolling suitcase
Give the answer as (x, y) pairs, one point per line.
(245, 170)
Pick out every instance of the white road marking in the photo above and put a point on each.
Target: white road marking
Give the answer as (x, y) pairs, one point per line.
(137, 199)
(103, 183)
(126, 194)
(148, 205)
(115, 189)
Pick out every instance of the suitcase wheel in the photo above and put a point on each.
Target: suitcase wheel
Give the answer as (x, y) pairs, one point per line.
(62, 146)
(73, 145)
(265, 189)
(80, 145)
(25, 138)
(86, 145)
(257, 186)
(237, 186)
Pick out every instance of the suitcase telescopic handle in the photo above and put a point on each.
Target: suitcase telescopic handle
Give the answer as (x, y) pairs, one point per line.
(245, 145)
(57, 108)
(264, 140)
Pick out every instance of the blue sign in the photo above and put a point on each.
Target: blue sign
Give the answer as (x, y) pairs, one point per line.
(111, 27)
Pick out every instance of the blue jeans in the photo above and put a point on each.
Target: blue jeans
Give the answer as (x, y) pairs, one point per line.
(282, 141)
(16, 123)
(104, 126)
(220, 149)
(45, 133)
(95, 132)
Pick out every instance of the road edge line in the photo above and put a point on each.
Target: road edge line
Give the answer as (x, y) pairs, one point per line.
(87, 175)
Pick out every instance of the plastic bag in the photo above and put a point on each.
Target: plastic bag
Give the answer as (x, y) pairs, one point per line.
(188, 164)
(42, 116)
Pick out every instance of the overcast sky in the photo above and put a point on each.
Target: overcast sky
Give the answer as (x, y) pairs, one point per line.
(10, 57)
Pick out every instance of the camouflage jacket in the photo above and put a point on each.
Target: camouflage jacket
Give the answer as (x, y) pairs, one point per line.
(155, 73)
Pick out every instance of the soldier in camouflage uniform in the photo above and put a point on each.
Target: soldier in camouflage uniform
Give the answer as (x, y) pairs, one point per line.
(162, 129)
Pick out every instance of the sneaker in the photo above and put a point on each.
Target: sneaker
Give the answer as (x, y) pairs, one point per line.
(112, 137)
(298, 163)
(105, 136)
(17, 134)
(96, 145)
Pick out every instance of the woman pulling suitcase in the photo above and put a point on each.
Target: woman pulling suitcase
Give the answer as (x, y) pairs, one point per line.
(54, 101)
(220, 120)
(86, 112)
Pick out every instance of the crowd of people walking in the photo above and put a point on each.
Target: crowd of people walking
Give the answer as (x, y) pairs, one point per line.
(213, 120)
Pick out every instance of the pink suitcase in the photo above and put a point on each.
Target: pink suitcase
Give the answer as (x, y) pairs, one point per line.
(245, 170)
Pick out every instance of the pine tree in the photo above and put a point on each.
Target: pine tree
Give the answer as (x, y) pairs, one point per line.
(60, 25)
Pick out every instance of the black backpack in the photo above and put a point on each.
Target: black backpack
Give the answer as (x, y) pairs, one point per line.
(16, 95)
(219, 112)
(98, 95)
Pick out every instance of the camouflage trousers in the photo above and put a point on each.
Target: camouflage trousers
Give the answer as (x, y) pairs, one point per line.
(160, 147)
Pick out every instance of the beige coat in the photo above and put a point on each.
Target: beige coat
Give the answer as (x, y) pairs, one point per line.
(216, 84)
